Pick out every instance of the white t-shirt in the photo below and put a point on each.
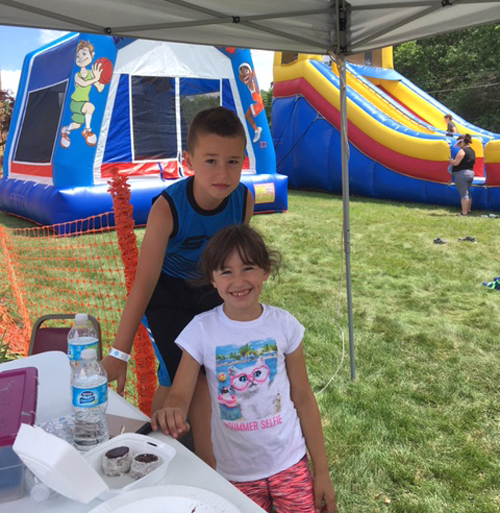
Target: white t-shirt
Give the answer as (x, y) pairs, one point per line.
(255, 428)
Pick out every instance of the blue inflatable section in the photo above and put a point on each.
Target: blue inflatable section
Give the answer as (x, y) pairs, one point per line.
(22, 198)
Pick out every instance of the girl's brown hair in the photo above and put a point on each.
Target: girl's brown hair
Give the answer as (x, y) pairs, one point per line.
(247, 242)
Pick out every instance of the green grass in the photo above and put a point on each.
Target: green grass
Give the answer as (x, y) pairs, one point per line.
(418, 431)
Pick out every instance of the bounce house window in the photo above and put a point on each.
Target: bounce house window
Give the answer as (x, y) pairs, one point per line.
(40, 123)
(153, 118)
(196, 94)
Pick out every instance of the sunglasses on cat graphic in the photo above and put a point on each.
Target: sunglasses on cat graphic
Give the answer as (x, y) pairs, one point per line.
(242, 380)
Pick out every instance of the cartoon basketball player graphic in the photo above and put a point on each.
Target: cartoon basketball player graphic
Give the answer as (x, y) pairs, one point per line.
(247, 75)
(81, 108)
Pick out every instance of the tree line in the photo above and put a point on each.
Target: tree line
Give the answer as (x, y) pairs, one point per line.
(460, 69)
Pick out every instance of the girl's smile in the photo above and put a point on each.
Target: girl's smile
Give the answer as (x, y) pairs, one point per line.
(239, 284)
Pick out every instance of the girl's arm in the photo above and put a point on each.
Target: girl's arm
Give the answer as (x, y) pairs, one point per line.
(310, 422)
(171, 419)
(158, 230)
(249, 210)
(458, 157)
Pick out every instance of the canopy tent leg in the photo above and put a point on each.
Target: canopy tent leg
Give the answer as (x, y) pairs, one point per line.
(344, 153)
(343, 12)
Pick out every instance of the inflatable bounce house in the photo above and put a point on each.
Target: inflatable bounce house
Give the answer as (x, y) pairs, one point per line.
(398, 145)
(89, 106)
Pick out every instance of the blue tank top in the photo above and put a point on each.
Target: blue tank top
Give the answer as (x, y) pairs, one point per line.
(193, 226)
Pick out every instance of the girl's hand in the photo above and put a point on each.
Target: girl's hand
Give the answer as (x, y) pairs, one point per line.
(172, 421)
(324, 494)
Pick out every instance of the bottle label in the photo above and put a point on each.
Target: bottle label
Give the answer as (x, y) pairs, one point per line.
(89, 397)
(76, 346)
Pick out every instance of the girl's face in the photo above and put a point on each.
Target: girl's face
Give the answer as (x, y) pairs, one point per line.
(239, 285)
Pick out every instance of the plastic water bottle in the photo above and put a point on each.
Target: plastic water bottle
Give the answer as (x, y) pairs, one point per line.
(89, 392)
(81, 336)
(38, 491)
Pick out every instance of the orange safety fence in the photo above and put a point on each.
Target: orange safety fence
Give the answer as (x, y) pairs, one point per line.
(127, 242)
(89, 270)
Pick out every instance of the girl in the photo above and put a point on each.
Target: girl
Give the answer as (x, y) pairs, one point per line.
(264, 414)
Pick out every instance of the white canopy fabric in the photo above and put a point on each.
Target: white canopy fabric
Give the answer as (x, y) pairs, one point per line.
(308, 26)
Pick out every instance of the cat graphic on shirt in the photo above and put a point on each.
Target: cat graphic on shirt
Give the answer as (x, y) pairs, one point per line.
(253, 390)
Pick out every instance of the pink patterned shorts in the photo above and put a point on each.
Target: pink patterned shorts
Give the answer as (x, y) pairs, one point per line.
(288, 491)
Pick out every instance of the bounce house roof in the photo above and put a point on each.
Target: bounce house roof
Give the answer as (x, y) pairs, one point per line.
(309, 26)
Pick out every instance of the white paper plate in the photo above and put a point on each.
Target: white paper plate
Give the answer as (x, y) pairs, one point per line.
(171, 498)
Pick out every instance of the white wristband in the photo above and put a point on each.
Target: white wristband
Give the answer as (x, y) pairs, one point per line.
(120, 355)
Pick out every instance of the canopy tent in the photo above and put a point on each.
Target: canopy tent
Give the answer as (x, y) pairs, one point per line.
(307, 26)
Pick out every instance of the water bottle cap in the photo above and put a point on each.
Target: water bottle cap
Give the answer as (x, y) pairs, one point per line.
(81, 317)
(40, 492)
(88, 354)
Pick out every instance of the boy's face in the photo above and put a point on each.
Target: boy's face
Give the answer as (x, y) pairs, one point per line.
(216, 162)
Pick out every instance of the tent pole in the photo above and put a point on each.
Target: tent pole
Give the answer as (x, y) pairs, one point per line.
(344, 153)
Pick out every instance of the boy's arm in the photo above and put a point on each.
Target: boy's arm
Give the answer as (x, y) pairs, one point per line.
(158, 230)
(171, 419)
(249, 209)
(310, 422)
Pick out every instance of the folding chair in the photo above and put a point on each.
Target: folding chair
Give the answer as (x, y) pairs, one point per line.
(56, 339)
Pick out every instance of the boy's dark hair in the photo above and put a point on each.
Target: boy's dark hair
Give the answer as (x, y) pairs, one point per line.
(249, 244)
(217, 120)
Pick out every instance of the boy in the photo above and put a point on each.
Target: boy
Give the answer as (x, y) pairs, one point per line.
(182, 220)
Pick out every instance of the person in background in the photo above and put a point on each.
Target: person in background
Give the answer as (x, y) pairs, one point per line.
(181, 221)
(264, 413)
(450, 126)
(462, 171)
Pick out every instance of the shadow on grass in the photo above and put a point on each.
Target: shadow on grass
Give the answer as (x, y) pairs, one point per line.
(10, 221)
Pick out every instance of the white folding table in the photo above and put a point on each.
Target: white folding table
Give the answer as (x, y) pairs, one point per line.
(54, 401)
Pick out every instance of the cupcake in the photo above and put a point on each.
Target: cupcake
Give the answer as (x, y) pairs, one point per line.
(143, 464)
(116, 462)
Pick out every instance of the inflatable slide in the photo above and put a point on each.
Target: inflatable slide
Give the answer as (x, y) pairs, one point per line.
(398, 145)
